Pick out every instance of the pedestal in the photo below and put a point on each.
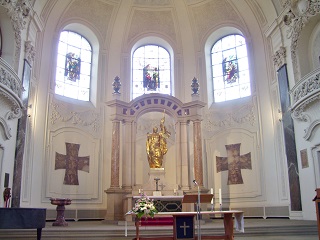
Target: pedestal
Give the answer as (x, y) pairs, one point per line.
(156, 193)
(60, 202)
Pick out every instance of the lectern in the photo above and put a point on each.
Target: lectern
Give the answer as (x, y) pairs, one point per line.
(184, 224)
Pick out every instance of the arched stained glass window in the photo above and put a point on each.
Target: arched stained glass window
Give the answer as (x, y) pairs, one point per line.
(73, 73)
(150, 71)
(230, 68)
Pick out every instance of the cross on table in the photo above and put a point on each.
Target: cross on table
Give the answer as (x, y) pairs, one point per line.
(184, 226)
(162, 186)
(234, 162)
(157, 180)
(72, 163)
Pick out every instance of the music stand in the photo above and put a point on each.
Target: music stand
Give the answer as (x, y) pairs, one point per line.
(193, 198)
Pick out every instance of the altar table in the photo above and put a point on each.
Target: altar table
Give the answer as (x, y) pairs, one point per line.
(227, 216)
(23, 218)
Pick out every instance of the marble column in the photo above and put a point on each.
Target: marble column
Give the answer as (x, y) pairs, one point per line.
(184, 156)
(197, 141)
(115, 154)
(115, 203)
(127, 161)
(21, 138)
(178, 154)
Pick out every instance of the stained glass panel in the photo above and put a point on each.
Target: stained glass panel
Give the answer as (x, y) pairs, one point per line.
(73, 72)
(216, 58)
(233, 66)
(151, 71)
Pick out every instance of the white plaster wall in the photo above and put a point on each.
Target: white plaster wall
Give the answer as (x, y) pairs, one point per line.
(191, 32)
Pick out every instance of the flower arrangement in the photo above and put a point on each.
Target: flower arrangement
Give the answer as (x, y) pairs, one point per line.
(144, 207)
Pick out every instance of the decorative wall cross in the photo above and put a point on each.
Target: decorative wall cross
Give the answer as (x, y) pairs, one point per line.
(234, 162)
(72, 163)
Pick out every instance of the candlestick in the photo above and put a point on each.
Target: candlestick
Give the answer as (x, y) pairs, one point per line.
(220, 197)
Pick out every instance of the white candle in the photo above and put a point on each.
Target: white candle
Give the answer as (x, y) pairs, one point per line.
(139, 190)
(126, 230)
(220, 197)
(211, 191)
(174, 190)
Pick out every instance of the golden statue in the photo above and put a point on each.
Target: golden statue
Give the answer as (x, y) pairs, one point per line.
(157, 145)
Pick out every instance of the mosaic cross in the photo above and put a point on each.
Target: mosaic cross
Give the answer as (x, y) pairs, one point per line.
(233, 163)
(72, 163)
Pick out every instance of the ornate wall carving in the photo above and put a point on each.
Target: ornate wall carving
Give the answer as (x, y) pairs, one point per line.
(30, 52)
(216, 121)
(18, 11)
(61, 113)
(279, 58)
(303, 94)
(10, 92)
(299, 14)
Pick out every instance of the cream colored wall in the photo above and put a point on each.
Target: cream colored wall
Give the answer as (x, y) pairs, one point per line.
(186, 34)
(187, 27)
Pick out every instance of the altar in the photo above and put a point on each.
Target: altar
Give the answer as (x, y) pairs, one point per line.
(164, 203)
(151, 144)
(184, 225)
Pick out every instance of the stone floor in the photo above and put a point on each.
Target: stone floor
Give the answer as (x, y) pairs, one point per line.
(255, 229)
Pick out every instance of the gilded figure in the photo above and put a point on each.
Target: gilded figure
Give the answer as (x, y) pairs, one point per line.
(156, 145)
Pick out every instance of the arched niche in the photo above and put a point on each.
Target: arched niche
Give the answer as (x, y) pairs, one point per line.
(128, 113)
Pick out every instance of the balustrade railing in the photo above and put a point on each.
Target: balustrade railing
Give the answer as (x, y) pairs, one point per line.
(9, 80)
(306, 90)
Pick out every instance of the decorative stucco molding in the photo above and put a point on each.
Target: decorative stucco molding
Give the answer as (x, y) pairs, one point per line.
(19, 12)
(299, 14)
(244, 115)
(6, 128)
(87, 119)
(11, 89)
(310, 129)
(304, 93)
(156, 102)
(30, 52)
(279, 58)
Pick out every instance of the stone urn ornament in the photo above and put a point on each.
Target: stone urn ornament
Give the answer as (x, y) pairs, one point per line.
(116, 85)
(195, 86)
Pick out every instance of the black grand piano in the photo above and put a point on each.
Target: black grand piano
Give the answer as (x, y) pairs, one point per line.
(23, 218)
